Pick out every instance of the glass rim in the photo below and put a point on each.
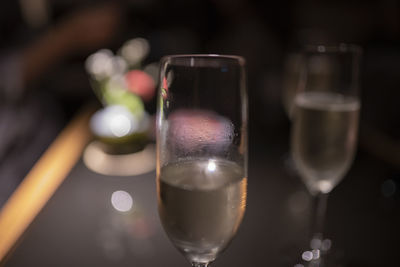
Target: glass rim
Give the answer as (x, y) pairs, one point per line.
(333, 48)
(240, 59)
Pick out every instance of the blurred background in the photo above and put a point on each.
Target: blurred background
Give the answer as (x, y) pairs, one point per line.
(43, 81)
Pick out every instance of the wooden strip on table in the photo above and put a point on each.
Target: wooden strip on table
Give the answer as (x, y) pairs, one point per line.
(43, 180)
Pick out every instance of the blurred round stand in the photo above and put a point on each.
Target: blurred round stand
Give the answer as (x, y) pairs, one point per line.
(122, 144)
(98, 160)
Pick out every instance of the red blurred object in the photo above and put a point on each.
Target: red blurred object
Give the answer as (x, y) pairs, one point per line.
(164, 88)
(141, 84)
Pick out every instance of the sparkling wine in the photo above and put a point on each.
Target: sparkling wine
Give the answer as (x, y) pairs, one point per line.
(201, 205)
(324, 137)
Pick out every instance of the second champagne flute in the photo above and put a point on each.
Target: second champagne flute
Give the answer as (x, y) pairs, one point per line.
(325, 125)
(202, 152)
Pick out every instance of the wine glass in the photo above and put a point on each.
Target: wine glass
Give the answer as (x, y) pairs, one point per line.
(202, 152)
(325, 125)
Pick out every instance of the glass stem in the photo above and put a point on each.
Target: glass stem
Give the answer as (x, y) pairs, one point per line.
(320, 203)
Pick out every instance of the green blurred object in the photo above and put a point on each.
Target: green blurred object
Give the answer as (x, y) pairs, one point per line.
(119, 96)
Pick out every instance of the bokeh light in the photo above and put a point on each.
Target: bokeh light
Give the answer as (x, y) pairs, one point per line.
(211, 167)
(121, 201)
(307, 256)
(135, 50)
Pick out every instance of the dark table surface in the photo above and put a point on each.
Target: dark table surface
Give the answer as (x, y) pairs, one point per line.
(79, 226)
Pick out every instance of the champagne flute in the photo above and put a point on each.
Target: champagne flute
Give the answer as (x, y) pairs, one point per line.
(325, 125)
(202, 152)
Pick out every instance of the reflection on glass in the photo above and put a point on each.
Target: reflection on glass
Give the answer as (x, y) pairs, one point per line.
(135, 50)
(196, 129)
(211, 167)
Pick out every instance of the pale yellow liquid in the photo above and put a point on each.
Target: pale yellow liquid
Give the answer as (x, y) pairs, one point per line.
(201, 205)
